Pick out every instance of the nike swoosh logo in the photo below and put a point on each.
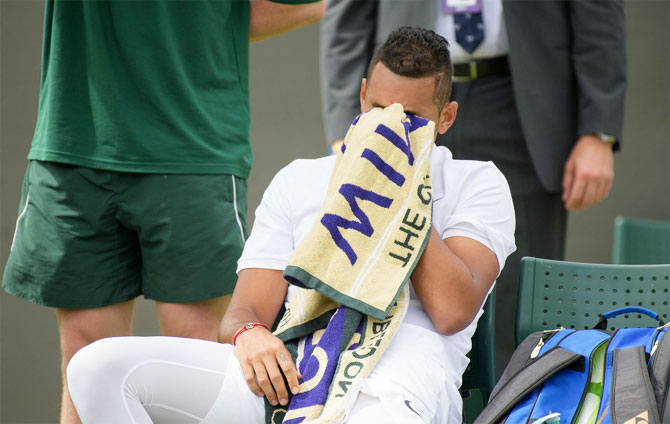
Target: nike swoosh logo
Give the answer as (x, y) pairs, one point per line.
(407, 403)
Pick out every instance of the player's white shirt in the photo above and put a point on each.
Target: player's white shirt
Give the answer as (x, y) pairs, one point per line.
(470, 199)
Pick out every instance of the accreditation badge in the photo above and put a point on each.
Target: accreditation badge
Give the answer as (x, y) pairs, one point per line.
(461, 6)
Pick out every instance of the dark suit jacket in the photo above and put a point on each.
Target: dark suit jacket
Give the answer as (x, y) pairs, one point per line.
(567, 60)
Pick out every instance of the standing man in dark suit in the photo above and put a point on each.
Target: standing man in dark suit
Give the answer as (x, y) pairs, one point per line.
(540, 86)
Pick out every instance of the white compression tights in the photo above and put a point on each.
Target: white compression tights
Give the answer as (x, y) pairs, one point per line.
(172, 380)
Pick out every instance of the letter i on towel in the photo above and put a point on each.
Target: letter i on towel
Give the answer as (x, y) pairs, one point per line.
(353, 266)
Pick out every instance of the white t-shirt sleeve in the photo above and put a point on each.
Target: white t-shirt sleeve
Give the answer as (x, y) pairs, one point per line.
(271, 241)
(479, 207)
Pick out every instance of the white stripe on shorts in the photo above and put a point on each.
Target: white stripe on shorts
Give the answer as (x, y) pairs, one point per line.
(237, 215)
(16, 228)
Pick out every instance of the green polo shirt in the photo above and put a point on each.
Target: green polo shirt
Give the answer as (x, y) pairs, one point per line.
(157, 86)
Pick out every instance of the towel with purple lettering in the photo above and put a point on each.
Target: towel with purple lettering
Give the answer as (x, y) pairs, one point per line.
(352, 268)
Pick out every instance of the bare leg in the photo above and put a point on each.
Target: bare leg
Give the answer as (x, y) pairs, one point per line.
(195, 320)
(79, 328)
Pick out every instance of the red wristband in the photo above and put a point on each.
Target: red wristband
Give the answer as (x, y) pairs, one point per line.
(248, 326)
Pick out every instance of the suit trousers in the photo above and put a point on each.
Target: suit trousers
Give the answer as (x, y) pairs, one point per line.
(488, 128)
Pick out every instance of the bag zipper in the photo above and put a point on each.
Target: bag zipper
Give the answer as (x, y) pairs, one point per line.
(546, 334)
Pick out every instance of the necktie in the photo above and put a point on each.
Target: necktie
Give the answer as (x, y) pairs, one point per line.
(469, 30)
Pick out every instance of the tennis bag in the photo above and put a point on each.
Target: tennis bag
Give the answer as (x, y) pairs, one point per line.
(588, 376)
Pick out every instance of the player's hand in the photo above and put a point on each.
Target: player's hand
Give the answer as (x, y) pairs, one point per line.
(265, 361)
(588, 173)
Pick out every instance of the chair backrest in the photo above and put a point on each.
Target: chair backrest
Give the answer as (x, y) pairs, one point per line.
(480, 375)
(641, 241)
(555, 294)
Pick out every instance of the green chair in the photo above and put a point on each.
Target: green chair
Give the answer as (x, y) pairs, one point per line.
(555, 294)
(480, 376)
(641, 241)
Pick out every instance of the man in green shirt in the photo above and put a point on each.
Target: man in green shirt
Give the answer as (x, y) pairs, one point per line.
(138, 166)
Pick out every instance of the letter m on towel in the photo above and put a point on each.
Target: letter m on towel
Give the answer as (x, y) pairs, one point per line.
(334, 222)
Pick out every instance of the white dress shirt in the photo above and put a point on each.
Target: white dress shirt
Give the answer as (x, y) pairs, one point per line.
(495, 36)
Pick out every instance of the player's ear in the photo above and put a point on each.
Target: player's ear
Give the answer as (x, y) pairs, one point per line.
(447, 117)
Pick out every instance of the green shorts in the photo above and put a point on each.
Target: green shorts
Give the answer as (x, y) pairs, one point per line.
(87, 238)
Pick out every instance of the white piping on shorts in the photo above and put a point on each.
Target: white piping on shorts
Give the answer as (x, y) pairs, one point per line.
(237, 215)
(16, 228)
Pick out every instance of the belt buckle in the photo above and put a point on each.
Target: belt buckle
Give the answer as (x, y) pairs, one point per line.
(473, 70)
(473, 74)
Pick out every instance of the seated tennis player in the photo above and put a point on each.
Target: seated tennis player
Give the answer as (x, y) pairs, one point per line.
(359, 288)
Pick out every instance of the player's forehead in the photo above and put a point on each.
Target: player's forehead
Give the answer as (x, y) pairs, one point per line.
(415, 94)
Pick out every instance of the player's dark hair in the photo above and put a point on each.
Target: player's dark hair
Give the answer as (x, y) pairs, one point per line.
(417, 53)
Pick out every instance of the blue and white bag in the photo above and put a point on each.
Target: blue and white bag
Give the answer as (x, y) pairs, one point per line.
(587, 377)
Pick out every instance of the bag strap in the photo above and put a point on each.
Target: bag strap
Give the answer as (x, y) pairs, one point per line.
(632, 398)
(523, 354)
(525, 381)
(659, 373)
(602, 323)
(518, 361)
